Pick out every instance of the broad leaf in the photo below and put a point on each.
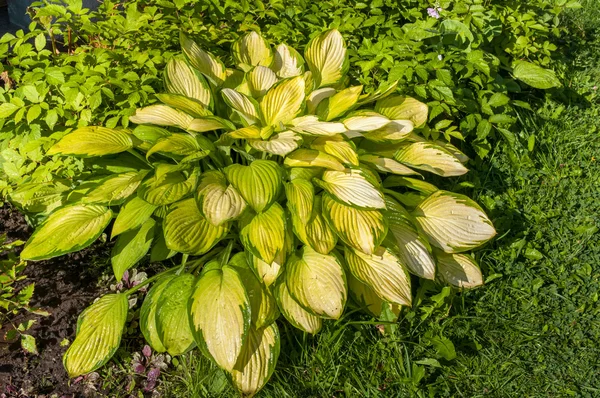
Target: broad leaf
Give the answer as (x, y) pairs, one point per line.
(186, 230)
(403, 108)
(180, 78)
(115, 189)
(169, 187)
(338, 104)
(317, 282)
(315, 232)
(208, 65)
(185, 104)
(459, 270)
(148, 314)
(161, 115)
(453, 222)
(243, 105)
(260, 80)
(219, 201)
(312, 158)
(267, 273)
(67, 230)
(172, 322)
(300, 195)
(280, 144)
(337, 146)
(287, 62)
(393, 132)
(252, 50)
(99, 330)
(181, 144)
(365, 121)
(92, 141)
(283, 101)
(220, 314)
(326, 57)
(259, 183)
(351, 187)
(410, 247)
(131, 247)
(534, 75)
(387, 165)
(311, 125)
(366, 297)
(293, 312)
(432, 158)
(382, 272)
(263, 234)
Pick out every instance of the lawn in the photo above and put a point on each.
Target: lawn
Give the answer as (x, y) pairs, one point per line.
(533, 330)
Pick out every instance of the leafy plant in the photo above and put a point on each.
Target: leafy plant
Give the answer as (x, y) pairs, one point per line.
(279, 161)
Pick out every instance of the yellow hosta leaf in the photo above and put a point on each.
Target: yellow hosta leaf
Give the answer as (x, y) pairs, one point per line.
(362, 229)
(287, 62)
(148, 314)
(161, 115)
(311, 125)
(236, 80)
(245, 133)
(131, 247)
(366, 297)
(432, 158)
(317, 282)
(209, 123)
(220, 314)
(245, 106)
(92, 141)
(336, 145)
(283, 101)
(387, 165)
(394, 131)
(338, 104)
(252, 49)
(257, 360)
(113, 190)
(316, 97)
(315, 233)
(300, 194)
(67, 230)
(382, 272)
(185, 104)
(263, 234)
(99, 330)
(351, 187)
(453, 222)
(209, 66)
(168, 188)
(267, 273)
(219, 202)
(187, 231)
(326, 57)
(312, 158)
(280, 144)
(459, 270)
(180, 78)
(365, 121)
(132, 214)
(260, 80)
(180, 144)
(171, 316)
(293, 312)
(401, 107)
(259, 183)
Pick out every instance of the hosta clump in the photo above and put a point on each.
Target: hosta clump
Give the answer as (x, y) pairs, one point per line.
(285, 190)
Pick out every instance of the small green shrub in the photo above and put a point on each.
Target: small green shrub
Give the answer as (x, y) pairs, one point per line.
(315, 186)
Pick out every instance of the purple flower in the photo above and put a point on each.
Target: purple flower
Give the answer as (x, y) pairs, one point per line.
(434, 12)
(147, 351)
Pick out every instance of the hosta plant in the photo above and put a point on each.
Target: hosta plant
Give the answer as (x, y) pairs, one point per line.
(285, 190)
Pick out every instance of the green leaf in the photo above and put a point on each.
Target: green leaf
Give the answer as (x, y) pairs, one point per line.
(181, 79)
(252, 50)
(185, 104)
(208, 65)
(172, 322)
(169, 187)
(99, 330)
(7, 109)
(259, 183)
(368, 299)
(67, 230)
(148, 314)
(131, 247)
(187, 231)
(135, 212)
(92, 141)
(326, 57)
(40, 42)
(221, 328)
(263, 234)
(293, 312)
(535, 76)
(338, 104)
(444, 347)
(180, 144)
(115, 189)
(33, 113)
(317, 282)
(28, 344)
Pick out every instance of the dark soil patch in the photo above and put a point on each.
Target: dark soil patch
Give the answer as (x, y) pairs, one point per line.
(64, 286)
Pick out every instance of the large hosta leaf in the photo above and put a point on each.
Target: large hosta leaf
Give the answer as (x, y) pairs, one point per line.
(311, 125)
(265, 272)
(410, 247)
(172, 322)
(403, 108)
(432, 158)
(220, 314)
(92, 141)
(287, 62)
(245, 106)
(393, 132)
(459, 270)
(387, 165)
(262, 302)
(252, 50)
(337, 146)
(185, 104)
(453, 222)
(180, 78)
(351, 187)
(315, 232)
(312, 158)
(293, 312)
(180, 144)
(364, 121)
(148, 314)
(208, 65)
(300, 194)
(40, 197)
(67, 230)
(280, 144)
(99, 331)
(259, 183)
(358, 228)
(382, 272)
(283, 101)
(219, 202)
(257, 360)
(263, 234)
(115, 189)
(326, 57)
(366, 297)
(535, 75)
(161, 115)
(338, 104)
(131, 247)
(317, 282)
(260, 80)
(169, 187)
(186, 230)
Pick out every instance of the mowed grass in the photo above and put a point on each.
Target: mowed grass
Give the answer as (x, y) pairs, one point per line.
(532, 331)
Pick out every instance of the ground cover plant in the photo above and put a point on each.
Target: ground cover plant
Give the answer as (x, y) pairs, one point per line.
(435, 306)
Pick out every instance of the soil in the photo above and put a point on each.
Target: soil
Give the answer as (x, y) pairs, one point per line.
(64, 286)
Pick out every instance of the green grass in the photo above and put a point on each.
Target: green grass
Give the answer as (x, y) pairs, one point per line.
(533, 330)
